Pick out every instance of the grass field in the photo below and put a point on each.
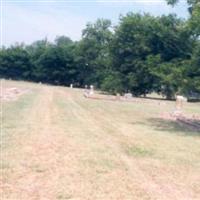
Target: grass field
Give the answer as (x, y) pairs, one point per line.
(56, 144)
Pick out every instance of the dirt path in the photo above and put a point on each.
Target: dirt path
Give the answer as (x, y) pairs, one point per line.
(65, 152)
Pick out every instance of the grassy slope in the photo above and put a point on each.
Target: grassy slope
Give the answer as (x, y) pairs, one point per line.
(67, 147)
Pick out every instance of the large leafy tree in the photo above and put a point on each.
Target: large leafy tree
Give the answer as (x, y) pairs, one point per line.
(53, 63)
(141, 43)
(35, 51)
(92, 51)
(192, 70)
(129, 49)
(15, 63)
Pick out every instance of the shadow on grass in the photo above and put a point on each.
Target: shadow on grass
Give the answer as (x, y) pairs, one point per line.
(164, 99)
(174, 127)
(156, 98)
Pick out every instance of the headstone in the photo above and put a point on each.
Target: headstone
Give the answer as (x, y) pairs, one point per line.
(91, 89)
(118, 96)
(71, 85)
(128, 95)
(179, 104)
(86, 92)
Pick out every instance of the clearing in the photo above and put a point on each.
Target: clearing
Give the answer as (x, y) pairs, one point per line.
(56, 144)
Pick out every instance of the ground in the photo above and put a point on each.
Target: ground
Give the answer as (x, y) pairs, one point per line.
(56, 144)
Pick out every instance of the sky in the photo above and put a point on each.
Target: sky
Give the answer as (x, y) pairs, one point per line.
(30, 20)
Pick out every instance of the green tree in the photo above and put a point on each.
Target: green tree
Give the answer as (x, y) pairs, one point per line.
(192, 69)
(140, 38)
(56, 62)
(15, 63)
(93, 52)
(35, 51)
(112, 83)
(194, 19)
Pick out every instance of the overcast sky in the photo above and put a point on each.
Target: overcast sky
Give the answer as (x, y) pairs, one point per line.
(29, 20)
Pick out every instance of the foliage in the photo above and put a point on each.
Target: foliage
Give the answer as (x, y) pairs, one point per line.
(194, 10)
(93, 51)
(15, 63)
(112, 83)
(144, 50)
(142, 54)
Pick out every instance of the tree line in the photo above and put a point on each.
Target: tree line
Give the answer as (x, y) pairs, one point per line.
(142, 54)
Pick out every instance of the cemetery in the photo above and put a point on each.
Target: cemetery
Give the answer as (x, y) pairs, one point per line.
(177, 115)
(100, 100)
(72, 131)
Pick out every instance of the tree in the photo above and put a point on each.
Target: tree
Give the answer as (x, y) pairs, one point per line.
(35, 51)
(143, 54)
(112, 83)
(15, 63)
(192, 70)
(93, 51)
(141, 40)
(63, 41)
(55, 64)
(170, 78)
(194, 10)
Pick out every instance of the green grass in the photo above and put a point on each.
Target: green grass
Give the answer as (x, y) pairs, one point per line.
(138, 151)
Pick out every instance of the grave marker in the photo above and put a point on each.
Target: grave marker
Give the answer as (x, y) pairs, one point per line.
(179, 104)
(91, 89)
(128, 95)
(118, 96)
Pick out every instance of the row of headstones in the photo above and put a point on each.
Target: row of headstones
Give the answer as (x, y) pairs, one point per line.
(87, 91)
(91, 92)
(180, 100)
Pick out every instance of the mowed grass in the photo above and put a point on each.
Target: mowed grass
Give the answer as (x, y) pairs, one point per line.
(14, 120)
(100, 149)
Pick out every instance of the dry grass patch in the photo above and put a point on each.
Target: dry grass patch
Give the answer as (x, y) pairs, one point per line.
(68, 147)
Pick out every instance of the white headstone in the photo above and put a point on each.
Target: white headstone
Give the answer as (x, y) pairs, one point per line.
(91, 89)
(179, 103)
(71, 85)
(128, 95)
